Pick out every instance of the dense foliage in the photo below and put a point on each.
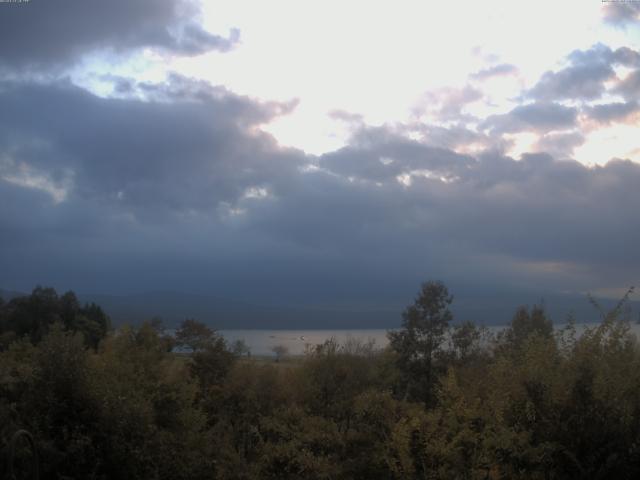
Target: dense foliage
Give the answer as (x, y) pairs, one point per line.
(440, 402)
(33, 316)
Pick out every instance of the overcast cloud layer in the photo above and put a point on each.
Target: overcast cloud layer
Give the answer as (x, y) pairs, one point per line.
(49, 33)
(173, 185)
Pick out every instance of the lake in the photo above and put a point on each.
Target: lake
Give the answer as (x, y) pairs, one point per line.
(260, 342)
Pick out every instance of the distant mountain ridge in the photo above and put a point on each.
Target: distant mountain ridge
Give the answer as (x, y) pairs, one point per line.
(9, 294)
(222, 313)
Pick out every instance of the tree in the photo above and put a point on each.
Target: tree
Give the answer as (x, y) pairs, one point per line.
(93, 323)
(280, 351)
(417, 344)
(331, 377)
(33, 315)
(211, 363)
(464, 339)
(240, 348)
(60, 402)
(194, 335)
(526, 323)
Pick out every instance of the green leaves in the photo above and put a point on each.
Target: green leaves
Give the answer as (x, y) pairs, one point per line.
(419, 342)
(34, 315)
(530, 404)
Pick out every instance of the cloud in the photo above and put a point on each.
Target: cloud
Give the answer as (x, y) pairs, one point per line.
(378, 156)
(189, 148)
(621, 14)
(536, 117)
(457, 137)
(347, 117)
(608, 113)
(560, 145)
(182, 191)
(48, 33)
(585, 77)
(447, 104)
(627, 56)
(629, 88)
(581, 81)
(173, 184)
(438, 211)
(499, 70)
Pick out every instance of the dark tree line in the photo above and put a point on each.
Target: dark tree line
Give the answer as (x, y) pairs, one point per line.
(33, 316)
(442, 401)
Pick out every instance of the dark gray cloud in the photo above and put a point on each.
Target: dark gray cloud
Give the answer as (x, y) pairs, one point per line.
(585, 76)
(580, 81)
(377, 159)
(49, 33)
(188, 153)
(629, 88)
(181, 192)
(608, 113)
(560, 145)
(538, 217)
(537, 117)
(622, 13)
(627, 56)
(499, 70)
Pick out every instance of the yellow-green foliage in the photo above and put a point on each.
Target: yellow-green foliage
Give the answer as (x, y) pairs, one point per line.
(529, 404)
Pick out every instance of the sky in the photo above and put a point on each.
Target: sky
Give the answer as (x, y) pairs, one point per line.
(320, 153)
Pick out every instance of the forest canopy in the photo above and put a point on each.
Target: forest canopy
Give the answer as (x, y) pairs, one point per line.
(443, 400)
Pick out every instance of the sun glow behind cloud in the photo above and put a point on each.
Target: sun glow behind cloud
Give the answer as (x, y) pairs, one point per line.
(618, 141)
(387, 63)
(379, 59)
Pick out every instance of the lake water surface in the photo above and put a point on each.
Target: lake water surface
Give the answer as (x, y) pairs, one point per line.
(261, 342)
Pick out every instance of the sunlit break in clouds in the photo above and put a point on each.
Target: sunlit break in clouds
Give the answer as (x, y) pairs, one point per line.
(320, 154)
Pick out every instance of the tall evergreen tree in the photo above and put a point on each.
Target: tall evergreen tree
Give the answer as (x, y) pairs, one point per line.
(419, 342)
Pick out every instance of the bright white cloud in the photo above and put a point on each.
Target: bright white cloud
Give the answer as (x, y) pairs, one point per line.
(379, 58)
(388, 62)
